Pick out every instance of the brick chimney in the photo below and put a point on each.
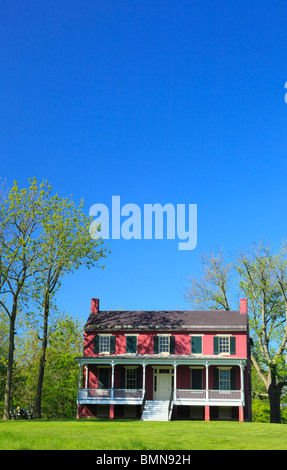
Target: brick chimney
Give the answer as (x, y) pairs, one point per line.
(243, 305)
(95, 304)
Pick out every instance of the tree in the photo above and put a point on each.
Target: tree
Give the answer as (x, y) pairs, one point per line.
(211, 291)
(261, 276)
(68, 246)
(42, 237)
(21, 213)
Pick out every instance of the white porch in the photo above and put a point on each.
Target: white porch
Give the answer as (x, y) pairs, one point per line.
(113, 395)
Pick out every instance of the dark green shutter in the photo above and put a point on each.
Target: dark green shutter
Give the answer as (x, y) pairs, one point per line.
(215, 345)
(123, 378)
(232, 345)
(196, 379)
(155, 344)
(172, 345)
(216, 379)
(112, 344)
(139, 378)
(103, 378)
(232, 379)
(96, 344)
(196, 345)
(131, 344)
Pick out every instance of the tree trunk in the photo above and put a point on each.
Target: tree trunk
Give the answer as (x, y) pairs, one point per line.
(42, 360)
(274, 393)
(6, 413)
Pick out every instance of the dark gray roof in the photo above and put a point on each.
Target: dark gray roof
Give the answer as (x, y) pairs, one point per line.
(166, 320)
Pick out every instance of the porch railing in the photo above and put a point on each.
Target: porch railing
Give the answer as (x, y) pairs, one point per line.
(178, 395)
(208, 395)
(110, 394)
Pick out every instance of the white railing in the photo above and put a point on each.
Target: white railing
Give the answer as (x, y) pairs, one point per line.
(110, 394)
(181, 394)
(225, 395)
(208, 395)
(178, 395)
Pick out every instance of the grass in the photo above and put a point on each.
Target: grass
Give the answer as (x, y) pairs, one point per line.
(139, 435)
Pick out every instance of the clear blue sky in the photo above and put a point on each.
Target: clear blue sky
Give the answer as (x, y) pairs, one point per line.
(155, 101)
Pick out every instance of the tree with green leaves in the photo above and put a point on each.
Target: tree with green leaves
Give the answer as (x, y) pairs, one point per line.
(263, 279)
(261, 276)
(21, 212)
(35, 228)
(68, 247)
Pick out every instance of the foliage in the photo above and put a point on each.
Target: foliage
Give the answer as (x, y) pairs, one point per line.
(259, 274)
(42, 238)
(61, 374)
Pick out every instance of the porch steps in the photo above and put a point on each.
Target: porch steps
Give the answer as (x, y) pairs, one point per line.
(155, 410)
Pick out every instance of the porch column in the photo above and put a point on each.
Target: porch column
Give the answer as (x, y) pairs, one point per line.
(206, 382)
(143, 366)
(241, 408)
(242, 382)
(80, 373)
(113, 380)
(174, 380)
(207, 407)
(87, 376)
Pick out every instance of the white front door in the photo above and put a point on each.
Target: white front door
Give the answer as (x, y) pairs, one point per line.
(162, 384)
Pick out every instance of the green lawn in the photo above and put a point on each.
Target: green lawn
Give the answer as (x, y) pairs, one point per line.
(138, 435)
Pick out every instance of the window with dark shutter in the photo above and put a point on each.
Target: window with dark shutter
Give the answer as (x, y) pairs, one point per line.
(232, 344)
(215, 379)
(103, 378)
(96, 345)
(112, 345)
(196, 379)
(215, 345)
(131, 344)
(155, 344)
(196, 345)
(172, 345)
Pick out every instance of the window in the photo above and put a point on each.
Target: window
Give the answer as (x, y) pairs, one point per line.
(163, 345)
(196, 345)
(131, 344)
(224, 379)
(224, 344)
(131, 378)
(196, 379)
(104, 345)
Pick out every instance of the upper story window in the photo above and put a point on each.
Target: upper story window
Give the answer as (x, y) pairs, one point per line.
(105, 344)
(224, 344)
(131, 344)
(164, 344)
(196, 344)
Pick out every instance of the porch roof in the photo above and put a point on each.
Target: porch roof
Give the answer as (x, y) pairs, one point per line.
(161, 359)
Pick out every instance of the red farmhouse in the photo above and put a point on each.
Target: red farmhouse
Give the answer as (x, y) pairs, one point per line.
(162, 365)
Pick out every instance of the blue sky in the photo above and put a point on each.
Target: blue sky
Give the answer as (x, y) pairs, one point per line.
(157, 102)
